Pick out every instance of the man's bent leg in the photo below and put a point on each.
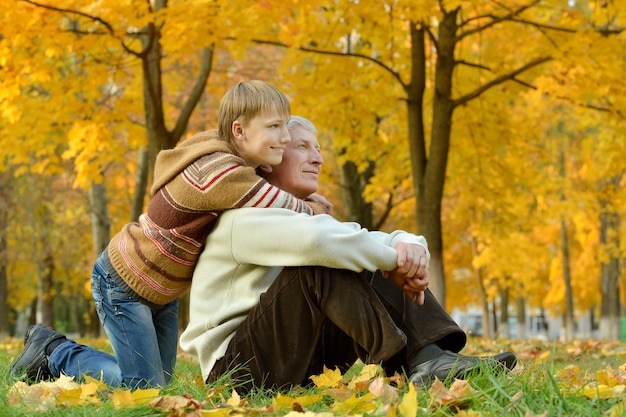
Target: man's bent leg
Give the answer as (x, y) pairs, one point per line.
(279, 338)
(423, 324)
(433, 338)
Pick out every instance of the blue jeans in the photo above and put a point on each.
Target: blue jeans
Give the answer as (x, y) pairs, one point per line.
(144, 339)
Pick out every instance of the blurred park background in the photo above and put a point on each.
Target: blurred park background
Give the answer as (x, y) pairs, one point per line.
(494, 128)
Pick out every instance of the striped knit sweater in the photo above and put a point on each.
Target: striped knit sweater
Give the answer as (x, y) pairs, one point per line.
(155, 257)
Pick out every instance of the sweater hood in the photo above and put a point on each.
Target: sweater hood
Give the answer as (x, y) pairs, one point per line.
(171, 162)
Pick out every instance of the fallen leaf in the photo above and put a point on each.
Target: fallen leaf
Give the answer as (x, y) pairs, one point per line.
(284, 401)
(126, 398)
(367, 373)
(170, 403)
(408, 405)
(235, 400)
(457, 395)
(327, 378)
(380, 389)
(354, 405)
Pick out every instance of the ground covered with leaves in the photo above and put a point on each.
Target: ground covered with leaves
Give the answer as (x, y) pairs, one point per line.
(583, 378)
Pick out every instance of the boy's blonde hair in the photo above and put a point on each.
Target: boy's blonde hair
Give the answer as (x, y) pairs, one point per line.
(245, 100)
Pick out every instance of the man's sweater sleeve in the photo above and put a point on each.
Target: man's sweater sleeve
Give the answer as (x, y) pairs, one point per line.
(282, 238)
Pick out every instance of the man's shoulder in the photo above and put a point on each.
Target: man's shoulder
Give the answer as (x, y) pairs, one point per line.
(270, 217)
(264, 212)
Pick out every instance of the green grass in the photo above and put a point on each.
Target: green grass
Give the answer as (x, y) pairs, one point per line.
(530, 390)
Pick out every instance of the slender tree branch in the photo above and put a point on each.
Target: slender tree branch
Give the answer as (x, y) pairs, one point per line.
(494, 20)
(432, 37)
(385, 214)
(499, 80)
(356, 55)
(542, 26)
(523, 83)
(194, 96)
(335, 53)
(470, 64)
(85, 15)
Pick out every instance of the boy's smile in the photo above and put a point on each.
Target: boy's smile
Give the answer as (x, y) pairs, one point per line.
(263, 139)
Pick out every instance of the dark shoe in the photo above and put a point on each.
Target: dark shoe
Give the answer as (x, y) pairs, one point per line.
(456, 365)
(39, 342)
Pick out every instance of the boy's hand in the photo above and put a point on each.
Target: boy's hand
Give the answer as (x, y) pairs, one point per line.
(319, 204)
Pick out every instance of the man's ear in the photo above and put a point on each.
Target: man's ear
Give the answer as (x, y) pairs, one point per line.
(237, 130)
(265, 168)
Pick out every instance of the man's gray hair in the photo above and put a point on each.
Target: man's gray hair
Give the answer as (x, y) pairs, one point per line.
(306, 124)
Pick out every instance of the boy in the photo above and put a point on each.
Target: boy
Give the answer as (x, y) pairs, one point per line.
(136, 282)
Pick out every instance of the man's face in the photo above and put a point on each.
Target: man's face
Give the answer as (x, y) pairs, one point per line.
(299, 171)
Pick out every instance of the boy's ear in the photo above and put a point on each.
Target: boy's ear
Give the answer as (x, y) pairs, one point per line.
(237, 130)
(265, 168)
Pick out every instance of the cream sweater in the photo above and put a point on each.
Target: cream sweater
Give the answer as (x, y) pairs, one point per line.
(248, 248)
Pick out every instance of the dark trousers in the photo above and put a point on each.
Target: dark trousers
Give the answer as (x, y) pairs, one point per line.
(316, 316)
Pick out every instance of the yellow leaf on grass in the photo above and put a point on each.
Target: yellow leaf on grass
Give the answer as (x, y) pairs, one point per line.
(144, 396)
(308, 414)
(368, 372)
(284, 401)
(121, 398)
(469, 413)
(85, 394)
(408, 405)
(339, 394)
(611, 377)
(127, 398)
(234, 400)
(570, 375)
(603, 391)
(327, 378)
(355, 405)
(216, 412)
(37, 397)
(99, 382)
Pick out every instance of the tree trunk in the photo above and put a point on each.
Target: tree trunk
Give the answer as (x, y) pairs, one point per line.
(141, 184)
(521, 318)
(483, 293)
(352, 192)
(610, 325)
(4, 225)
(504, 330)
(567, 278)
(45, 270)
(429, 175)
(495, 326)
(568, 316)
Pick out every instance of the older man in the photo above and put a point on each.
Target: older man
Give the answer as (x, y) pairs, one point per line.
(276, 295)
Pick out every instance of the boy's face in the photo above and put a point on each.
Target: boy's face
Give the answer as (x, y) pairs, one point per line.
(263, 139)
